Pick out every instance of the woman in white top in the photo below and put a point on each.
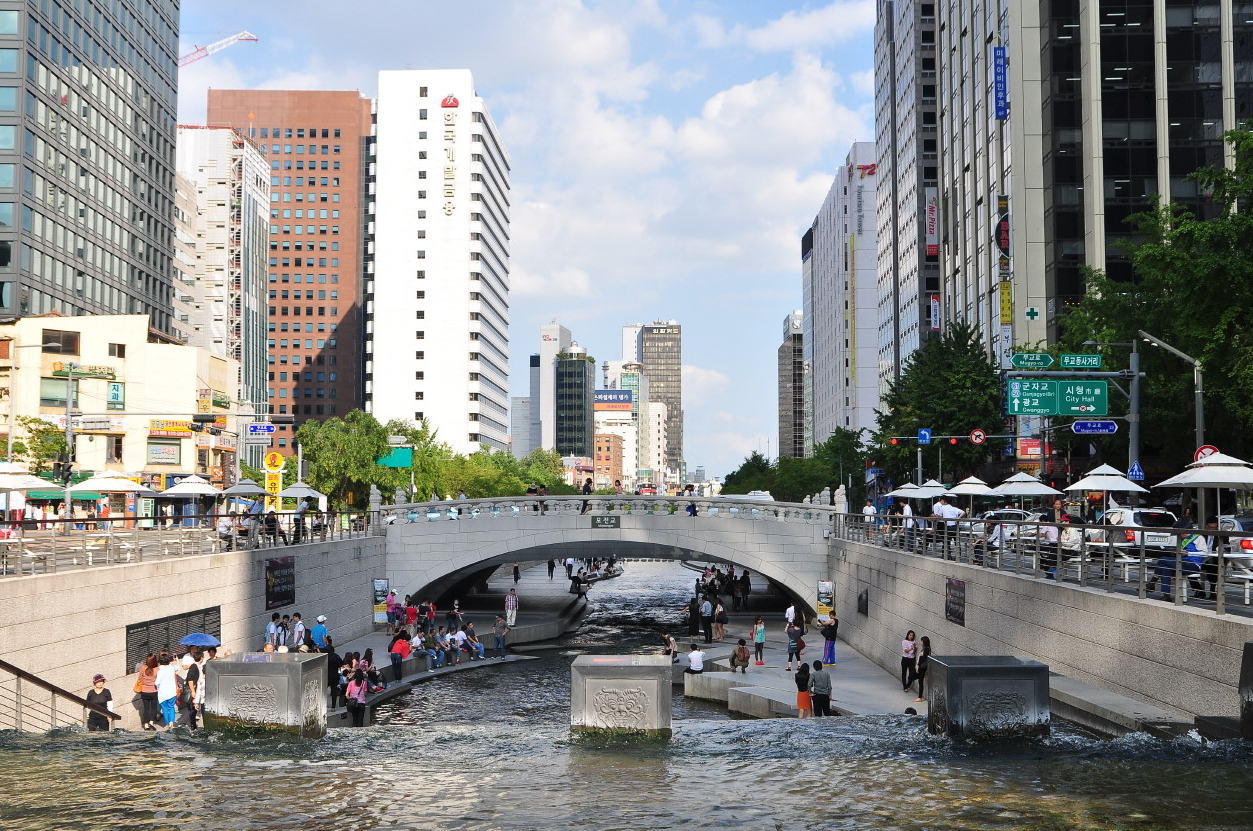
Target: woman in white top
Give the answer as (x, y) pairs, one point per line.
(909, 653)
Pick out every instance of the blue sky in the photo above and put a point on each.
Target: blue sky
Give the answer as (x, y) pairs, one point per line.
(667, 157)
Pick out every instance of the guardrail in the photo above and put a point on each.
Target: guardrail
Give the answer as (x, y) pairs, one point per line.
(27, 702)
(602, 505)
(58, 545)
(1110, 557)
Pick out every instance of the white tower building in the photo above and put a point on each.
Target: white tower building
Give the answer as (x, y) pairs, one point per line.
(437, 345)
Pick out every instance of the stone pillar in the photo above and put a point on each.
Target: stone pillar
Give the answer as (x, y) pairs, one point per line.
(376, 507)
(987, 697)
(621, 693)
(260, 691)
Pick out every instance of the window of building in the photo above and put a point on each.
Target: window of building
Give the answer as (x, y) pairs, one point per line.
(117, 350)
(58, 342)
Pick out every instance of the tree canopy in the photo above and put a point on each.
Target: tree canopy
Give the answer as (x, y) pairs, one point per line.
(841, 458)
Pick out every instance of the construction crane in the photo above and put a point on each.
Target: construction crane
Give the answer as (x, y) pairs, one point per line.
(205, 51)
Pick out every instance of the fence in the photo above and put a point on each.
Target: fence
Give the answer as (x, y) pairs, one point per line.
(29, 703)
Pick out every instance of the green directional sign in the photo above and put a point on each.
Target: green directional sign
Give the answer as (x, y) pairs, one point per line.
(1083, 398)
(1031, 360)
(1082, 362)
(1030, 397)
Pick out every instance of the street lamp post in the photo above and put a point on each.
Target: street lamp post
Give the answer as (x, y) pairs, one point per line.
(70, 366)
(1198, 390)
(1133, 405)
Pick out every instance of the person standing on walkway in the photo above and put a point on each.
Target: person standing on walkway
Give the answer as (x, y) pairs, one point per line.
(552, 568)
(101, 697)
(909, 654)
(517, 573)
(829, 634)
(820, 690)
(759, 641)
(511, 607)
(500, 631)
(921, 666)
(167, 688)
(804, 704)
(746, 588)
(147, 687)
(707, 619)
(789, 615)
(569, 568)
(794, 645)
(693, 617)
(720, 620)
(320, 639)
(870, 518)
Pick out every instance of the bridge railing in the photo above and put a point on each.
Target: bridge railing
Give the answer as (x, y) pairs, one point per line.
(1146, 562)
(656, 506)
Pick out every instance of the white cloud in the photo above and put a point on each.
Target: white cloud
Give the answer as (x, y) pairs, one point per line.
(563, 282)
(700, 383)
(839, 22)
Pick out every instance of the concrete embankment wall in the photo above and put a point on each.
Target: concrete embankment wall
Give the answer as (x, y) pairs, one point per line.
(1185, 659)
(67, 626)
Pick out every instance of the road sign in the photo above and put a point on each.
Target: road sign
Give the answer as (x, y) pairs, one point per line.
(978, 437)
(259, 441)
(259, 427)
(1136, 473)
(1082, 361)
(275, 461)
(1082, 398)
(273, 484)
(1031, 313)
(1203, 451)
(1031, 360)
(924, 435)
(1094, 428)
(1031, 397)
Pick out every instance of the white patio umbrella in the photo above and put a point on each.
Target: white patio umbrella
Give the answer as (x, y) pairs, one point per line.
(299, 490)
(1023, 484)
(109, 484)
(971, 486)
(22, 482)
(244, 487)
(191, 486)
(1106, 478)
(905, 491)
(1216, 471)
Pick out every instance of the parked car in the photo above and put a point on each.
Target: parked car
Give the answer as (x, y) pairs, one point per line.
(1239, 550)
(1127, 527)
(982, 523)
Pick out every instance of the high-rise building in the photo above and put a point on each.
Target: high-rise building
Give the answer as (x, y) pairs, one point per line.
(841, 298)
(231, 230)
(186, 213)
(87, 132)
(792, 387)
(438, 342)
(907, 173)
(520, 427)
(631, 377)
(658, 347)
(653, 442)
(554, 340)
(314, 145)
(574, 424)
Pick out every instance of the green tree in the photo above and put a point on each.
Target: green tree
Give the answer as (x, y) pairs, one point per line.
(756, 473)
(343, 454)
(950, 386)
(40, 445)
(1193, 288)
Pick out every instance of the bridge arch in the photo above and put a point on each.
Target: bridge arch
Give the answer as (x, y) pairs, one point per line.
(433, 547)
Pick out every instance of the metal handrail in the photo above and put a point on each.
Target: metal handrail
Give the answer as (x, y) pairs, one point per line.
(20, 701)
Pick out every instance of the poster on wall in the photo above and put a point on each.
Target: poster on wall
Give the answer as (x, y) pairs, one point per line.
(826, 597)
(955, 601)
(382, 586)
(280, 582)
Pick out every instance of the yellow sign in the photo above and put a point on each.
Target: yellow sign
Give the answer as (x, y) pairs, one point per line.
(273, 484)
(275, 462)
(1007, 302)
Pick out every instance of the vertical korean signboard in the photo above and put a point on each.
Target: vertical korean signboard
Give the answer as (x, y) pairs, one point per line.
(1000, 83)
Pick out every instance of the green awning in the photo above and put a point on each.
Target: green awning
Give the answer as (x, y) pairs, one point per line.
(61, 495)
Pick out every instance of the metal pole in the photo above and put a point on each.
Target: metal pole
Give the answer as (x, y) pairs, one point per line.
(1199, 397)
(69, 442)
(1133, 414)
(920, 464)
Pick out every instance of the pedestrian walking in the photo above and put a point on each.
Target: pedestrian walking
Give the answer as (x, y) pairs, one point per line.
(804, 704)
(820, 690)
(720, 620)
(569, 568)
(517, 573)
(759, 641)
(511, 607)
(909, 654)
(795, 644)
(100, 696)
(829, 633)
(552, 568)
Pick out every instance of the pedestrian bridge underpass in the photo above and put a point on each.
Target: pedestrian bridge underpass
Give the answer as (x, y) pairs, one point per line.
(434, 547)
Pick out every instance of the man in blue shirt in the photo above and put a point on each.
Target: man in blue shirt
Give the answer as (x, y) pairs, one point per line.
(318, 632)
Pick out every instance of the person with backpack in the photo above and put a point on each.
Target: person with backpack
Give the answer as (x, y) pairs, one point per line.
(355, 694)
(741, 657)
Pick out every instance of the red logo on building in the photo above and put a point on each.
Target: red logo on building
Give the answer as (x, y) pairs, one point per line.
(450, 101)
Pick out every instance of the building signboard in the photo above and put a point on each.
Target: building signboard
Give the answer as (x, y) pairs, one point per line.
(62, 369)
(931, 222)
(613, 400)
(1000, 82)
(169, 429)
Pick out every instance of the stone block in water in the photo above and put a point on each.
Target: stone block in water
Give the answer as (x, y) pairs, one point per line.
(987, 697)
(621, 693)
(260, 691)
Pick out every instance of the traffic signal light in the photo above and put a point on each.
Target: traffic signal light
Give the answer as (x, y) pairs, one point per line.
(204, 418)
(62, 468)
(895, 441)
(952, 441)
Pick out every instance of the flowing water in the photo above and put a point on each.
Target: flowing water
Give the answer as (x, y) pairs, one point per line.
(492, 749)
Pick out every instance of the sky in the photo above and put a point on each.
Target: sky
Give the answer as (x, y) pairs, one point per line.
(667, 157)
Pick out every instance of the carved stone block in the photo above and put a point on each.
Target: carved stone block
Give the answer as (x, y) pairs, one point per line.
(621, 693)
(267, 691)
(987, 697)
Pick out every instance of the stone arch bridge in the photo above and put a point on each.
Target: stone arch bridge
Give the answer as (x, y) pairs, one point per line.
(433, 548)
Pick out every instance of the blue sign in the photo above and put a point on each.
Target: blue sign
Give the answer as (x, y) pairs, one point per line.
(1094, 428)
(924, 435)
(613, 399)
(1000, 82)
(1136, 474)
(255, 429)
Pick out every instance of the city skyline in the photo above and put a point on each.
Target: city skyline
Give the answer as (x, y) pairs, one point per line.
(666, 159)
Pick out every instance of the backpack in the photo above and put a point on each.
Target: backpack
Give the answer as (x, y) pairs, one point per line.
(800, 644)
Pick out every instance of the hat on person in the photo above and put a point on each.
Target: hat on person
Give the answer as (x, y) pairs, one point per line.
(97, 678)
(188, 660)
(321, 618)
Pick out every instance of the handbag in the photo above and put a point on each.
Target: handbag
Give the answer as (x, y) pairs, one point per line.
(139, 683)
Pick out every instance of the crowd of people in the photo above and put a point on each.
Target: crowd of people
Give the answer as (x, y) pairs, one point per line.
(170, 689)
